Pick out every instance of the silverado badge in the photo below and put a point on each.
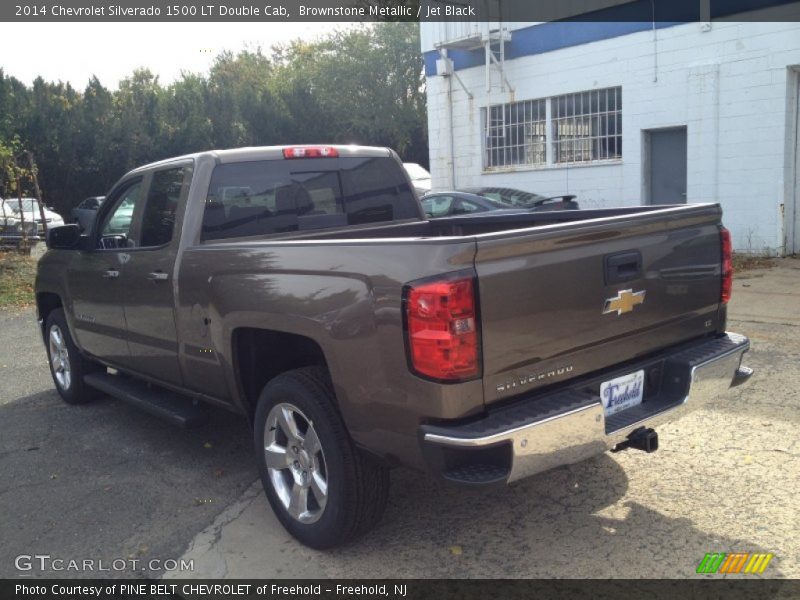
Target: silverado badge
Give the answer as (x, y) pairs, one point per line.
(623, 302)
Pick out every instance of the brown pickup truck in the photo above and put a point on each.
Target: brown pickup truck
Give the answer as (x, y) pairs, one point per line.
(303, 288)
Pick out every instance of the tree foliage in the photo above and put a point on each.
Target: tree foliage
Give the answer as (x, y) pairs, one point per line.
(362, 86)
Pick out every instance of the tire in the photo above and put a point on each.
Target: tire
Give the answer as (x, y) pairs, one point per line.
(356, 488)
(67, 366)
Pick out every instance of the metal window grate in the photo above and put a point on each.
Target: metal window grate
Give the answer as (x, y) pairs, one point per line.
(516, 134)
(587, 126)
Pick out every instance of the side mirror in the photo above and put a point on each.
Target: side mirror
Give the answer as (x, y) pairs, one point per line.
(65, 237)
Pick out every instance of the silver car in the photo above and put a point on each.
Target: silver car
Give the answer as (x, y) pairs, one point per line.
(28, 210)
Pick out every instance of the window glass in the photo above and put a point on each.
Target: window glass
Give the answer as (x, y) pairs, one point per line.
(583, 127)
(515, 134)
(278, 196)
(467, 206)
(491, 195)
(90, 204)
(28, 205)
(511, 197)
(158, 219)
(437, 206)
(587, 126)
(121, 218)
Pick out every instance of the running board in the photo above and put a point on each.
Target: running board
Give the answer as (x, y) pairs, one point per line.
(169, 406)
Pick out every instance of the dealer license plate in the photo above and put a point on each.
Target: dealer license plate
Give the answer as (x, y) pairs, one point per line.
(622, 392)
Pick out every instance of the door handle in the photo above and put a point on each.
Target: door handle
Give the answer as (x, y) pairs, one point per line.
(111, 274)
(157, 276)
(622, 267)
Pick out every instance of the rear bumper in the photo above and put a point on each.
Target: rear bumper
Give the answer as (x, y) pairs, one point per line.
(568, 425)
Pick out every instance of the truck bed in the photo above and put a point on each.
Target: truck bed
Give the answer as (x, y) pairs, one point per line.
(469, 225)
(543, 280)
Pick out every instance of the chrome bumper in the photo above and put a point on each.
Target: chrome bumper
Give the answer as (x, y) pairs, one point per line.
(693, 377)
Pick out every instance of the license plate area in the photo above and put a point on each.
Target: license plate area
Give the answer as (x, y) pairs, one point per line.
(622, 392)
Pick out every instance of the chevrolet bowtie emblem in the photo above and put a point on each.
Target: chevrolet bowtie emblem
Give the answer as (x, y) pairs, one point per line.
(623, 302)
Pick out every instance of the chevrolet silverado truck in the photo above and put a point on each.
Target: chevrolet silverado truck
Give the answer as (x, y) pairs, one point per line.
(303, 288)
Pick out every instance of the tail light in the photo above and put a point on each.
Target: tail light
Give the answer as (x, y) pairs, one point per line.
(727, 265)
(442, 329)
(310, 152)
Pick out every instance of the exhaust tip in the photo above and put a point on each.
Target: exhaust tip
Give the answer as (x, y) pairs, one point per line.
(742, 375)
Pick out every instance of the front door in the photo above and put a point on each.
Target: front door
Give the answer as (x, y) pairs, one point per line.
(149, 292)
(666, 165)
(95, 279)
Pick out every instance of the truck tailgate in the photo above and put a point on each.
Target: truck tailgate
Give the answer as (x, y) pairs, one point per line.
(563, 300)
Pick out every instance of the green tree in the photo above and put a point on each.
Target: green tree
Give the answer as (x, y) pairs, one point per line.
(362, 85)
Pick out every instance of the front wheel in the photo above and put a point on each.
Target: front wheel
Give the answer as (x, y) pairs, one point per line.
(323, 490)
(67, 366)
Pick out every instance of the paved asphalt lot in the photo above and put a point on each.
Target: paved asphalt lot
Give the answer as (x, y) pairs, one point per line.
(105, 481)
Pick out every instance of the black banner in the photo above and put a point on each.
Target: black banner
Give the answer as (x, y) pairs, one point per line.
(281, 11)
(399, 589)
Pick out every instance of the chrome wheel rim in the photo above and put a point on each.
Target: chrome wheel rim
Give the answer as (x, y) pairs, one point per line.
(295, 463)
(59, 358)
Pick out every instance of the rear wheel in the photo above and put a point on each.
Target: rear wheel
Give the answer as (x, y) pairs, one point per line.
(67, 366)
(323, 490)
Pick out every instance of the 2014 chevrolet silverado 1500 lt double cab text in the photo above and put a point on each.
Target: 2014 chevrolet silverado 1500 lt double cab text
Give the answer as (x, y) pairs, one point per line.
(303, 287)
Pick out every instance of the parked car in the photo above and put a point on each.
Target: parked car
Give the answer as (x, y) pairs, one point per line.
(85, 212)
(446, 204)
(9, 222)
(11, 226)
(523, 199)
(29, 207)
(355, 334)
(420, 177)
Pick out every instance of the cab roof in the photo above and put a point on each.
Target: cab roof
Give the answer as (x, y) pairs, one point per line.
(253, 153)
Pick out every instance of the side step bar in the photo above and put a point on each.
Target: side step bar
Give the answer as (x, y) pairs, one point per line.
(174, 408)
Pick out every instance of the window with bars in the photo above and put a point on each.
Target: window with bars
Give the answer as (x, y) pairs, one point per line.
(516, 134)
(581, 127)
(587, 126)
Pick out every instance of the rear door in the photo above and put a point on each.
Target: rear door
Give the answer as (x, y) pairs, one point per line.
(148, 279)
(569, 299)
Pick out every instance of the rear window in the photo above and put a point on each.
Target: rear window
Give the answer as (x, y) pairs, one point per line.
(281, 196)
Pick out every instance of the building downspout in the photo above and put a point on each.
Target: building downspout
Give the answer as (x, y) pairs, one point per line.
(446, 69)
(451, 124)
(655, 41)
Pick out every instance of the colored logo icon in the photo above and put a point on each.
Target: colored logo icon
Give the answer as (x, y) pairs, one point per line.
(736, 562)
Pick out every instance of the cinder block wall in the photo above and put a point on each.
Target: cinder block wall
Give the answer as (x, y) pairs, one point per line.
(732, 86)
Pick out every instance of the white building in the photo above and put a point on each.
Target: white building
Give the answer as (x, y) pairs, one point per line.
(624, 114)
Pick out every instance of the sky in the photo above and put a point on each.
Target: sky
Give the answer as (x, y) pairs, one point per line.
(73, 52)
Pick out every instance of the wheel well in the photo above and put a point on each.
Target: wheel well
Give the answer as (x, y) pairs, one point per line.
(47, 302)
(260, 354)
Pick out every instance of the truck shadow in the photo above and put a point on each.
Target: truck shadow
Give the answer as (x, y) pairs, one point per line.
(108, 477)
(570, 522)
(106, 480)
